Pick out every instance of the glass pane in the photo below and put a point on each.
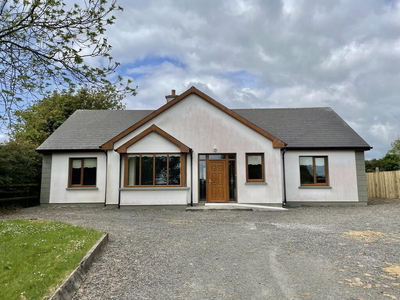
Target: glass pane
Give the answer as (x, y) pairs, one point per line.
(89, 171)
(202, 156)
(161, 169)
(306, 170)
(76, 171)
(202, 181)
(147, 169)
(232, 180)
(232, 156)
(133, 169)
(320, 170)
(174, 169)
(216, 156)
(254, 166)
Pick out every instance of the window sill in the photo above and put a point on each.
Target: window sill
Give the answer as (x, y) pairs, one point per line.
(81, 188)
(315, 187)
(154, 188)
(256, 183)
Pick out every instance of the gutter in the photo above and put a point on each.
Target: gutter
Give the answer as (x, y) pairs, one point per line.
(191, 176)
(284, 177)
(105, 189)
(329, 148)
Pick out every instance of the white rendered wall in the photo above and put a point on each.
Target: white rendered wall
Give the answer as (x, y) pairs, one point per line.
(154, 196)
(59, 180)
(153, 143)
(342, 177)
(201, 126)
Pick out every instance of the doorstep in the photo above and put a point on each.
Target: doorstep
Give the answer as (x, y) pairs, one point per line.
(234, 206)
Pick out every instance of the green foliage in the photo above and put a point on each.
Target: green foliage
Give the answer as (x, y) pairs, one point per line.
(19, 163)
(49, 43)
(395, 147)
(36, 256)
(390, 162)
(35, 124)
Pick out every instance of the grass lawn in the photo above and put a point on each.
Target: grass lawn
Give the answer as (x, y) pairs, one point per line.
(36, 256)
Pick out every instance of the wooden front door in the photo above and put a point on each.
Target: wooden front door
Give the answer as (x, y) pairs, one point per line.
(217, 181)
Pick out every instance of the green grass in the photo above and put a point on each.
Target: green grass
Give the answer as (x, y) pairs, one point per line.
(36, 256)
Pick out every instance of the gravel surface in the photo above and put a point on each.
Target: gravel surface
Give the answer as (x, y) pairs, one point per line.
(304, 253)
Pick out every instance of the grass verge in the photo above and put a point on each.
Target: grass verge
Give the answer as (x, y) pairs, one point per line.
(36, 256)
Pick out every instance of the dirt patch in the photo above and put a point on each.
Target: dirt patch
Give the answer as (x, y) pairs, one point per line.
(365, 236)
(393, 269)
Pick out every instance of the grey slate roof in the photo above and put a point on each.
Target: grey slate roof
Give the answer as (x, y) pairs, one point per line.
(312, 127)
(297, 127)
(89, 129)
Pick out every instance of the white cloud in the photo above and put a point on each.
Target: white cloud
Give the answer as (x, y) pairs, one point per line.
(383, 131)
(292, 54)
(3, 137)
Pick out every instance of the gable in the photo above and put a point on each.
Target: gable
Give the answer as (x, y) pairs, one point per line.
(275, 141)
(153, 138)
(153, 143)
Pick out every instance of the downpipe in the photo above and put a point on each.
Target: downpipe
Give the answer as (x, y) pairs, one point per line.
(119, 183)
(191, 177)
(284, 177)
(105, 188)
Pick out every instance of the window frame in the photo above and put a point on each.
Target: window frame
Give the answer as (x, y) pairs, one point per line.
(326, 171)
(154, 185)
(70, 185)
(262, 167)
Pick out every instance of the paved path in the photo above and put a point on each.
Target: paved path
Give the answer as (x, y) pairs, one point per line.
(304, 253)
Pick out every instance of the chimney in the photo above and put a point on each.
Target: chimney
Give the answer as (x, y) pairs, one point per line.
(171, 97)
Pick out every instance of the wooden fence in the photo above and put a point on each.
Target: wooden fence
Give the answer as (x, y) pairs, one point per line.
(25, 195)
(384, 184)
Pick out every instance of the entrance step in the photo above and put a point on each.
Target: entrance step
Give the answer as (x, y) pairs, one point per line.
(234, 206)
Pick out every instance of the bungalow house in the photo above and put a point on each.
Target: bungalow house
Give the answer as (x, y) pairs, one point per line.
(194, 150)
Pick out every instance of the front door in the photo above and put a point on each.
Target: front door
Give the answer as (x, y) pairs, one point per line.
(217, 181)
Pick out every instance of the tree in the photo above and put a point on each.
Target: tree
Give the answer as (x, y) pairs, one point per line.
(19, 163)
(395, 147)
(35, 124)
(390, 162)
(46, 44)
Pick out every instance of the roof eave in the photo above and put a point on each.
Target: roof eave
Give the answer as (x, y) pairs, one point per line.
(68, 150)
(361, 148)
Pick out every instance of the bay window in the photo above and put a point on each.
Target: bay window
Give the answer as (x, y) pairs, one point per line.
(154, 170)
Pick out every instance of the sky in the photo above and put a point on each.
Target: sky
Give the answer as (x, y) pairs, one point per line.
(250, 54)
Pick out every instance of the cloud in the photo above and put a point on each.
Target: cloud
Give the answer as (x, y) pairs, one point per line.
(289, 53)
(3, 137)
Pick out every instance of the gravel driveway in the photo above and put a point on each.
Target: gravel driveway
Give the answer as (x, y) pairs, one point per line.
(304, 253)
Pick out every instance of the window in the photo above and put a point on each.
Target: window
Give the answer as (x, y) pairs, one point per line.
(313, 170)
(153, 170)
(82, 172)
(255, 167)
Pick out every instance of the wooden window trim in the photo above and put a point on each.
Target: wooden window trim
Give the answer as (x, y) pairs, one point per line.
(326, 171)
(262, 168)
(154, 185)
(70, 185)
